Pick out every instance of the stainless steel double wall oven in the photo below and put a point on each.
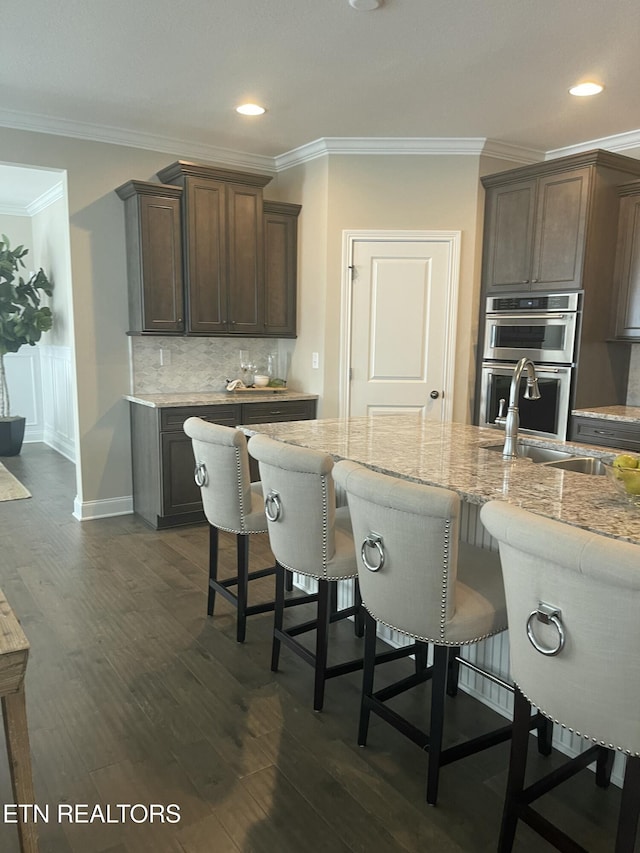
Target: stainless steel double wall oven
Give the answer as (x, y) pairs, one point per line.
(544, 328)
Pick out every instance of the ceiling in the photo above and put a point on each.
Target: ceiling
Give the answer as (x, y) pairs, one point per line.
(166, 75)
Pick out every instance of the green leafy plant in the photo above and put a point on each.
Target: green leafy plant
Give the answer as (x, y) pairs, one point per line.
(22, 318)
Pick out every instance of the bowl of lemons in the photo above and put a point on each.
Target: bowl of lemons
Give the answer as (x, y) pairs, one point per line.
(624, 471)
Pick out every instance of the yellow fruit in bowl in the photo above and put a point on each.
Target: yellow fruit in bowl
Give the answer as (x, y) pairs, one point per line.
(625, 460)
(631, 480)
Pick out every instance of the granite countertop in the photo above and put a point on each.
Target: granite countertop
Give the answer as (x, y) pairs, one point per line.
(455, 456)
(215, 398)
(626, 414)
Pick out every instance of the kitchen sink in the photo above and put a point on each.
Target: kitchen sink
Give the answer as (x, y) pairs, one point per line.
(580, 464)
(535, 453)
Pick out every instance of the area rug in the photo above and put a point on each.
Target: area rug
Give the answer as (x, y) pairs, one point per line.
(10, 488)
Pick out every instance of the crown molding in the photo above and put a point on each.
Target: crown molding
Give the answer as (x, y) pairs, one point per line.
(132, 139)
(43, 201)
(515, 153)
(8, 209)
(474, 146)
(618, 142)
(184, 148)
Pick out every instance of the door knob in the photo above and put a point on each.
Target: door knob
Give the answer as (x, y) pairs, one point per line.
(434, 395)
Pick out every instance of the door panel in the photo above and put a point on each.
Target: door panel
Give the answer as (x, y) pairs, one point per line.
(400, 300)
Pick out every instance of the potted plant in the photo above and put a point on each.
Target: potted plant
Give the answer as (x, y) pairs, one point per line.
(22, 321)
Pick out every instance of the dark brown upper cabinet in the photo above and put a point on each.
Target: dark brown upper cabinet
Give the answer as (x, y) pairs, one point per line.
(280, 268)
(224, 248)
(627, 273)
(551, 226)
(154, 257)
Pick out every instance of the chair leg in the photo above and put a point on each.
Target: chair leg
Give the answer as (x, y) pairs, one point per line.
(628, 820)
(288, 581)
(242, 544)
(436, 728)
(421, 656)
(604, 766)
(453, 671)
(278, 617)
(370, 627)
(213, 567)
(358, 619)
(517, 769)
(326, 603)
(545, 735)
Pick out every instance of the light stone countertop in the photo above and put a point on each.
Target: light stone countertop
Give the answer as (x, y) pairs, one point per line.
(215, 398)
(454, 456)
(625, 414)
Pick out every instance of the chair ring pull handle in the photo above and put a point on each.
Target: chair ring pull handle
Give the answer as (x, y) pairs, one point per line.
(272, 506)
(200, 474)
(548, 615)
(373, 540)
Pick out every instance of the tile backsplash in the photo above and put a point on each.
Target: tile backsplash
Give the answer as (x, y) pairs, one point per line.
(166, 364)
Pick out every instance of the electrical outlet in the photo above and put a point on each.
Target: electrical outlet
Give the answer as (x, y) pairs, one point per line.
(315, 360)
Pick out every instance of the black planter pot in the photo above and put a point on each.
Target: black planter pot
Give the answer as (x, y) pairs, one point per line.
(11, 435)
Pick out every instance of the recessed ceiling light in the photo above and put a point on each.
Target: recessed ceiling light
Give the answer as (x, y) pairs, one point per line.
(583, 90)
(250, 110)
(365, 5)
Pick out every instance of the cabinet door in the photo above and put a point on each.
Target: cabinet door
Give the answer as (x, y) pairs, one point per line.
(508, 238)
(628, 269)
(280, 270)
(161, 253)
(245, 260)
(560, 227)
(206, 256)
(180, 494)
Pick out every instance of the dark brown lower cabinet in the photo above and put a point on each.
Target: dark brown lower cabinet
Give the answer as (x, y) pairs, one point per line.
(603, 432)
(164, 491)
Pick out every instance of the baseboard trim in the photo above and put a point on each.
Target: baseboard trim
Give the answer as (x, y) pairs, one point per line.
(88, 510)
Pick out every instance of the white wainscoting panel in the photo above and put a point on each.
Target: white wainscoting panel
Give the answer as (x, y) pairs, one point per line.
(57, 397)
(25, 389)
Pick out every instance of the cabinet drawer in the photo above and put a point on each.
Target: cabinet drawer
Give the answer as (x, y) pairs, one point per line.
(279, 410)
(605, 433)
(173, 419)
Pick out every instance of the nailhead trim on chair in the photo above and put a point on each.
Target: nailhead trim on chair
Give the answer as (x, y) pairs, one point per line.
(438, 641)
(240, 490)
(580, 734)
(325, 527)
(445, 578)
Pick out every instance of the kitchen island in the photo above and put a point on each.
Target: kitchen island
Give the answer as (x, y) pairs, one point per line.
(455, 456)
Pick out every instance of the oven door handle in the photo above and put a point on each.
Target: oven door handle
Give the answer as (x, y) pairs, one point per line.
(509, 318)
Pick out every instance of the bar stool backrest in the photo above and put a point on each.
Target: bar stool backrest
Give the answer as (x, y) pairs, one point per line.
(298, 487)
(415, 590)
(592, 684)
(222, 460)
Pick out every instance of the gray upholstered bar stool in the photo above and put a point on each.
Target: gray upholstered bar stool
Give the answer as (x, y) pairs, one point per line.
(417, 578)
(573, 600)
(233, 504)
(312, 536)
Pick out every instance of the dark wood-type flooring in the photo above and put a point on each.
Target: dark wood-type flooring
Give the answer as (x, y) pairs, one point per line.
(135, 696)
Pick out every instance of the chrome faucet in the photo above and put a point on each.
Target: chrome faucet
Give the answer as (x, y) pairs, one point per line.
(512, 420)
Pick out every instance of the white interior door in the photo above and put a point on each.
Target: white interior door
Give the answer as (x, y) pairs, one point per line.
(403, 294)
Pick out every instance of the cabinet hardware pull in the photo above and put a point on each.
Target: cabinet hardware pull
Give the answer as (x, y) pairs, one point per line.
(604, 432)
